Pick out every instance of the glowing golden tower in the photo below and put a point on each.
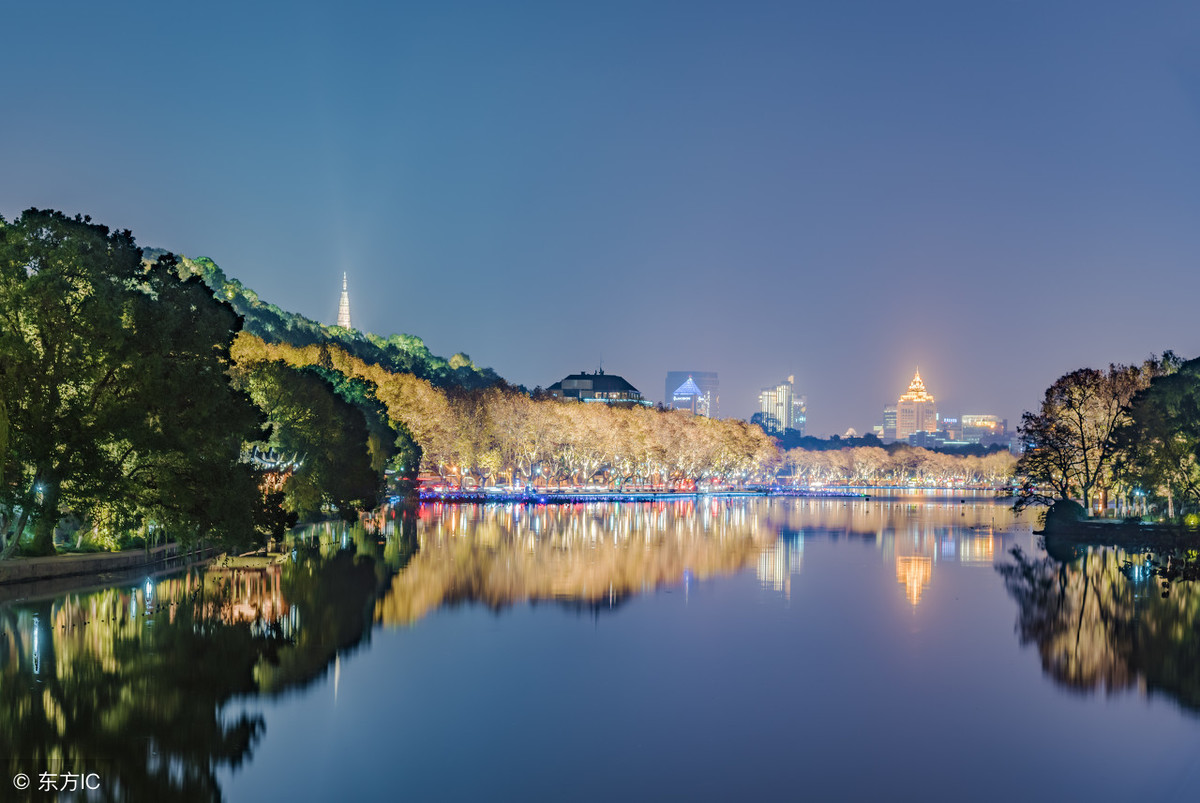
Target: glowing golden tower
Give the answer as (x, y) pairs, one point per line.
(916, 411)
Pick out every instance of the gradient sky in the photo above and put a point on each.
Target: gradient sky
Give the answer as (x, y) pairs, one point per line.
(999, 192)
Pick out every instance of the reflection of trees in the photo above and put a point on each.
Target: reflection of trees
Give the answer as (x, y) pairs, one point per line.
(132, 683)
(500, 556)
(86, 684)
(1100, 622)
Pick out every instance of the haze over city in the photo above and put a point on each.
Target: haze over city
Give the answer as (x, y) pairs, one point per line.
(998, 195)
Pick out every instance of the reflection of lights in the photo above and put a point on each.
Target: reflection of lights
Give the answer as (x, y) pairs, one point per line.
(977, 549)
(914, 573)
(777, 564)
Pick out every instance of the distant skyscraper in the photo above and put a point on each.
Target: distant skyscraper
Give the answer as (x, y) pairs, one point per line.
(889, 423)
(688, 396)
(706, 381)
(916, 411)
(781, 408)
(799, 413)
(344, 306)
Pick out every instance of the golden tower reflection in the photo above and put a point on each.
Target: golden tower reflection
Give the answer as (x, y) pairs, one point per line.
(914, 573)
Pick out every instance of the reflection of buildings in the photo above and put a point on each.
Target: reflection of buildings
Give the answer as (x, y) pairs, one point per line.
(778, 562)
(914, 573)
(912, 537)
(917, 550)
(597, 387)
(706, 382)
(916, 410)
(780, 408)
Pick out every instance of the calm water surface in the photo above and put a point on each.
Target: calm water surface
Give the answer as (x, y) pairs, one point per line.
(733, 649)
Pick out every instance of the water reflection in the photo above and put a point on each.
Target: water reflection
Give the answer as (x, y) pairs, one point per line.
(600, 553)
(132, 682)
(913, 536)
(1104, 622)
(587, 555)
(144, 676)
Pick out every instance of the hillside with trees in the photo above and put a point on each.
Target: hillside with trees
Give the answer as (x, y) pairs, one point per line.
(398, 353)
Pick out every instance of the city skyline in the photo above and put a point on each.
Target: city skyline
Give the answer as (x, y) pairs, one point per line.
(764, 190)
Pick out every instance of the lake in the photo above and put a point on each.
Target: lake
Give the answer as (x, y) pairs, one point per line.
(907, 648)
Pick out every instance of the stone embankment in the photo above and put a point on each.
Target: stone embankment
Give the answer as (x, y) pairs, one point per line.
(23, 570)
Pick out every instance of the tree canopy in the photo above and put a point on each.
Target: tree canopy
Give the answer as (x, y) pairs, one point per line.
(112, 376)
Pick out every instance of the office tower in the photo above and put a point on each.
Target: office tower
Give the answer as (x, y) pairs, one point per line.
(916, 410)
(781, 408)
(705, 381)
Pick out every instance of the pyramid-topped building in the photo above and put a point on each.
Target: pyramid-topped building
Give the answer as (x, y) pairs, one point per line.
(690, 397)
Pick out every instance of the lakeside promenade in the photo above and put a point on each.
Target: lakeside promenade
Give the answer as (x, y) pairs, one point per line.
(566, 496)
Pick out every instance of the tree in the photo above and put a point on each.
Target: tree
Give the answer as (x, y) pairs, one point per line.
(1159, 448)
(325, 435)
(113, 377)
(1069, 444)
(190, 424)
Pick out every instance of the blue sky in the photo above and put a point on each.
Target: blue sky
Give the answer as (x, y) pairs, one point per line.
(1000, 193)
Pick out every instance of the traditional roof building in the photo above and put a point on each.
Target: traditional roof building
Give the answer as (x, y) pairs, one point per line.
(597, 387)
(916, 411)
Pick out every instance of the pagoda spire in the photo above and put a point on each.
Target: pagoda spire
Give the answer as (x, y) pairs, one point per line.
(344, 306)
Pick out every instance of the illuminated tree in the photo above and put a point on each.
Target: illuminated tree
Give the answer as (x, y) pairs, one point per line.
(1069, 444)
(1159, 448)
(112, 374)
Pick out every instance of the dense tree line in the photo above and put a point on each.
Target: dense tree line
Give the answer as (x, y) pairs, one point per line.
(502, 435)
(1128, 433)
(113, 382)
(873, 465)
(121, 410)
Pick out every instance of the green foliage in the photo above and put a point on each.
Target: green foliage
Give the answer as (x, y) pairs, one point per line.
(1160, 446)
(397, 353)
(328, 436)
(113, 378)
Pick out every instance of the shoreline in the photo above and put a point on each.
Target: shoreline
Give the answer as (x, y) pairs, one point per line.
(22, 578)
(29, 577)
(1064, 540)
(559, 497)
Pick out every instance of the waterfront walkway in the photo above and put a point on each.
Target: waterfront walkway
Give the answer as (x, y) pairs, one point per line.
(55, 567)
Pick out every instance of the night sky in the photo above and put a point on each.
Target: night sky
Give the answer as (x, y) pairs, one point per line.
(996, 192)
